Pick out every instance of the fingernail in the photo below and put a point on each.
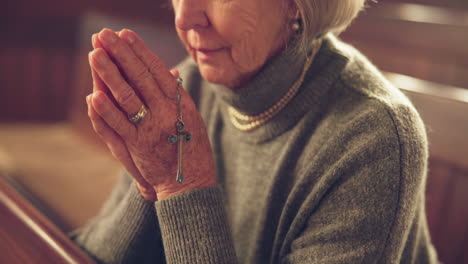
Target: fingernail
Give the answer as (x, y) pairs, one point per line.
(87, 98)
(108, 36)
(129, 38)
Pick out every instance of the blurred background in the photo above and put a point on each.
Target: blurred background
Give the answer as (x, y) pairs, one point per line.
(50, 155)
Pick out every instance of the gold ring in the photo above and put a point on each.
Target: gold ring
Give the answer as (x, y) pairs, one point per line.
(136, 118)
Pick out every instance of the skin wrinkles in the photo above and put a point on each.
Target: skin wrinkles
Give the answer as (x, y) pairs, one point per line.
(244, 55)
(249, 31)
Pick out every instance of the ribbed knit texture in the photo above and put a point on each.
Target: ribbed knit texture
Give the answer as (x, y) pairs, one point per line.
(338, 176)
(199, 235)
(125, 231)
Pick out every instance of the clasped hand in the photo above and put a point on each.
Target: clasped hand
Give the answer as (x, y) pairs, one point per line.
(127, 75)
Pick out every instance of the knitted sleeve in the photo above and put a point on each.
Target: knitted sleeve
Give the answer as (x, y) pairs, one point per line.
(371, 192)
(195, 229)
(125, 230)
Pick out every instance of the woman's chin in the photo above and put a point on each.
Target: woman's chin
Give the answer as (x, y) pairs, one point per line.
(218, 76)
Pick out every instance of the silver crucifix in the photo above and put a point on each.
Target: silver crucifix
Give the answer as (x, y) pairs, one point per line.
(181, 135)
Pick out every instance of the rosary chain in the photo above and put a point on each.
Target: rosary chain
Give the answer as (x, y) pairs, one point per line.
(179, 99)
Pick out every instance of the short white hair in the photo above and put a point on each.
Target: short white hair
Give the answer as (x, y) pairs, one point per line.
(320, 17)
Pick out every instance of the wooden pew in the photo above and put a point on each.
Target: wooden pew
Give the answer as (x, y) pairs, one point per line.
(462, 4)
(27, 236)
(429, 43)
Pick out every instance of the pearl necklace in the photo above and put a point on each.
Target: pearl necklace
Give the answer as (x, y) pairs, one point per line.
(246, 122)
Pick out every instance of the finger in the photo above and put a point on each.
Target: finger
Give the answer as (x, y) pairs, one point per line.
(134, 69)
(97, 81)
(112, 115)
(116, 146)
(155, 65)
(109, 73)
(95, 41)
(98, 84)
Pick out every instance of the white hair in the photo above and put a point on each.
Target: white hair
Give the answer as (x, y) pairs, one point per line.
(320, 17)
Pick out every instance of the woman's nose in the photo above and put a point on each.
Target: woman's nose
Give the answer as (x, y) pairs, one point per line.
(190, 14)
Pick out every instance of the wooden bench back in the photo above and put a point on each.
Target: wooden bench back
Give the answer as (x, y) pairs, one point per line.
(429, 43)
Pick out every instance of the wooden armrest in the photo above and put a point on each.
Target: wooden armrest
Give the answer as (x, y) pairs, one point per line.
(27, 236)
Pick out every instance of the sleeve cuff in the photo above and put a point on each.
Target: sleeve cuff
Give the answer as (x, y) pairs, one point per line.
(194, 227)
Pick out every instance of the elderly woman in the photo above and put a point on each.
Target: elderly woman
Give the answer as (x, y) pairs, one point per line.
(286, 146)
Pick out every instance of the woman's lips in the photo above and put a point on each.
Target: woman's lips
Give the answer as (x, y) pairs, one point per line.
(203, 53)
(208, 50)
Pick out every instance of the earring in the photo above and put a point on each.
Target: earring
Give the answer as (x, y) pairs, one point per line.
(296, 26)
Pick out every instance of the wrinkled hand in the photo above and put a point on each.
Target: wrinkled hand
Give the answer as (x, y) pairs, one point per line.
(126, 74)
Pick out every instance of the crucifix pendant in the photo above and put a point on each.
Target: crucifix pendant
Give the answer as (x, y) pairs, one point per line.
(180, 136)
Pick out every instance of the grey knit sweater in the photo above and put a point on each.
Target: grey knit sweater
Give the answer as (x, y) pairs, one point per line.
(338, 176)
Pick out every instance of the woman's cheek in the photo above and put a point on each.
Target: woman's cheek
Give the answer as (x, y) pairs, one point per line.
(245, 56)
(245, 40)
(251, 50)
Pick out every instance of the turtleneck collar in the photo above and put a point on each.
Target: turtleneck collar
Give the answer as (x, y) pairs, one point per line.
(275, 79)
(268, 85)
